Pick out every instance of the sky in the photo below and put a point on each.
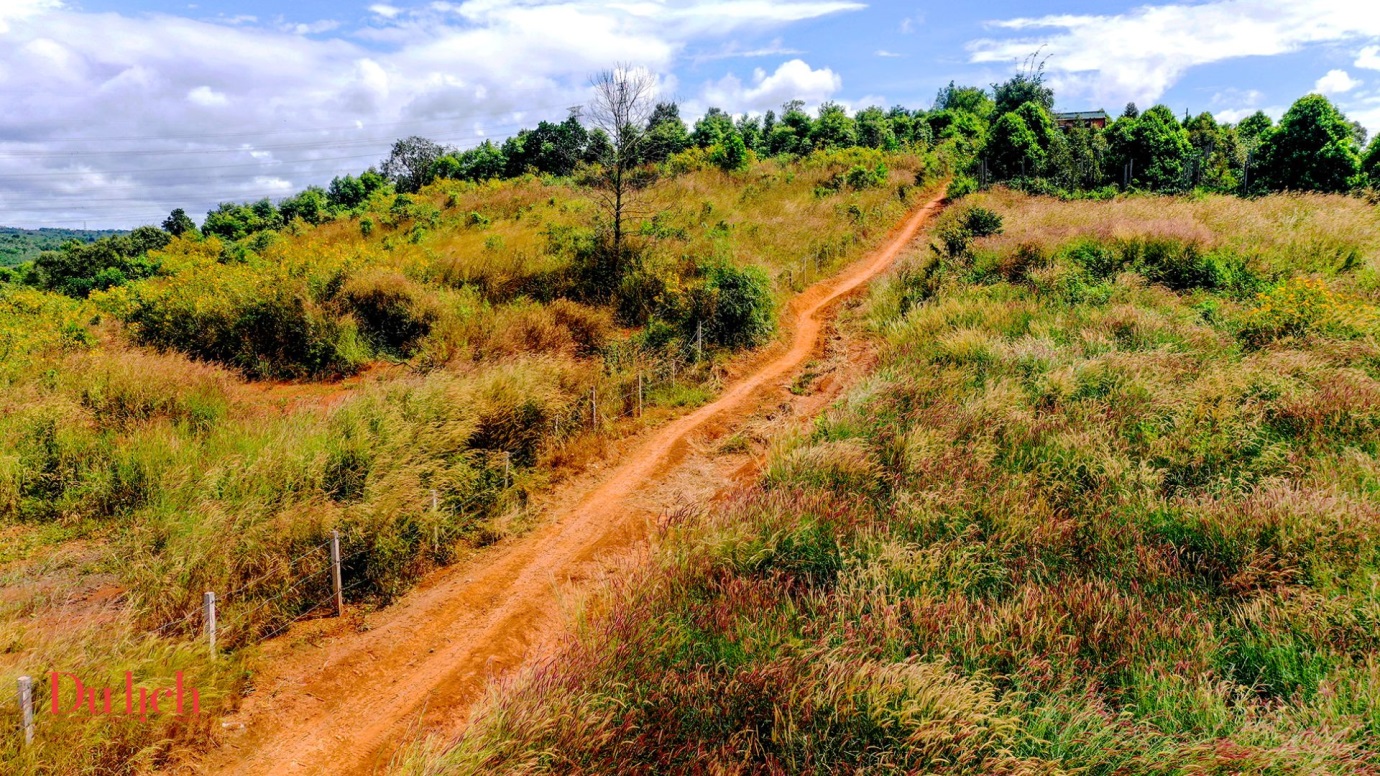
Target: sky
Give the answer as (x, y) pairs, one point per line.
(113, 112)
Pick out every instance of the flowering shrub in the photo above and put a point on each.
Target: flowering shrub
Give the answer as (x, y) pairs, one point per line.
(1301, 307)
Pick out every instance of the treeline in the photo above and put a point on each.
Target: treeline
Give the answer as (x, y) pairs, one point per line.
(1014, 138)
(20, 245)
(1006, 134)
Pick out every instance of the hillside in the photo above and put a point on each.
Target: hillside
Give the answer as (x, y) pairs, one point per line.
(20, 245)
(407, 374)
(1107, 504)
(1097, 494)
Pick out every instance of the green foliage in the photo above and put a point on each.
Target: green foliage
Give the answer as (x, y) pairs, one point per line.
(1013, 149)
(666, 133)
(738, 308)
(311, 205)
(231, 221)
(1156, 147)
(731, 154)
(833, 129)
(348, 192)
(1025, 87)
(1312, 149)
(20, 245)
(972, 100)
(79, 268)
(412, 163)
(179, 223)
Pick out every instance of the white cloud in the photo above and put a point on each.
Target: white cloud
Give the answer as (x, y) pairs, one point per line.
(15, 10)
(735, 50)
(1335, 82)
(793, 80)
(1139, 54)
(887, 54)
(1369, 58)
(116, 119)
(909, 23)
(207, 97)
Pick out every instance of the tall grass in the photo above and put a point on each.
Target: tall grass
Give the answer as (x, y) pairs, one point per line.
(151, 450)
(1077, 521)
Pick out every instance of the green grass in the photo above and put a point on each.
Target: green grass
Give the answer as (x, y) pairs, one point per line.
(1076, 521)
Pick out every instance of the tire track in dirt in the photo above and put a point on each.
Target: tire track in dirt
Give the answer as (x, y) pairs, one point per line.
(344, 707)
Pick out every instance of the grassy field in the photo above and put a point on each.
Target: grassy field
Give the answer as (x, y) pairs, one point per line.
(407, 376)
(1109, 504)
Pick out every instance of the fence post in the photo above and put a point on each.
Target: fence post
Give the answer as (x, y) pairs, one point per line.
(335, 572)
(593, 409)
(208, 603)
(699, 341)
(507, 467)
(639, 393)
(26, 707)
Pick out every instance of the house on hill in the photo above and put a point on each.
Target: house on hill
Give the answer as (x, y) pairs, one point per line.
(1082, 118)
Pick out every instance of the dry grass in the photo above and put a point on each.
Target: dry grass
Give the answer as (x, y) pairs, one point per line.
(157, 472)
(1076, 522)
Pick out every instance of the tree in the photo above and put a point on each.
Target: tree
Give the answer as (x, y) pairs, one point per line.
(712, 128)
(834, 128)
(1358, 131)
(750, 127)
(1253, 127)
(666, 133)
(555, 149)
(1027, 85)
(731, 153)
(622, 106)
(348, 192)
(311, 205)
(1013, 149)
(411, 164)
(791, 135)
(1370, 164)
(1312, 149)
(1155, 147)
(876, 130)
(1130, 111)
(233, 221)
(179, 223)
(965, 99)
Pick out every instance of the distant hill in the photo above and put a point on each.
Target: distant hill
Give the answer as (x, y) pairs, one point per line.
(21, 245)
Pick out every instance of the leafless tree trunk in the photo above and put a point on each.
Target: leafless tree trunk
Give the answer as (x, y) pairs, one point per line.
(624, 99)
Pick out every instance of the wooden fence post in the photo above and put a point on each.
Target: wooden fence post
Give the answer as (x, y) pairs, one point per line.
(639, 393)
(208, 603)
(26, 707)
(593, 409)
(335, 574)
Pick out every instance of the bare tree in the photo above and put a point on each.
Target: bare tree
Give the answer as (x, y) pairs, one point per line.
(624, 99)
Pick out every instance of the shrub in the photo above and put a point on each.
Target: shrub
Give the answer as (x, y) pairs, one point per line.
(1300, 307)
(393, 312)
(742, 309)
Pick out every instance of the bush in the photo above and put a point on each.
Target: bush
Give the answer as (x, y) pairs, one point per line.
(1300, 307)
(393, 312)
(741, 310)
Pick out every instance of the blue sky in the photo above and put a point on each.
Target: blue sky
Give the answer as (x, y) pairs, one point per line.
(118, 110)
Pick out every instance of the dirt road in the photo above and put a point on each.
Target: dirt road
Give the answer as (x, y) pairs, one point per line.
(343, 706)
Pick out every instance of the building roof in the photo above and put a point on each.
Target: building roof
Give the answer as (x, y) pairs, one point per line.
(1082, 115)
